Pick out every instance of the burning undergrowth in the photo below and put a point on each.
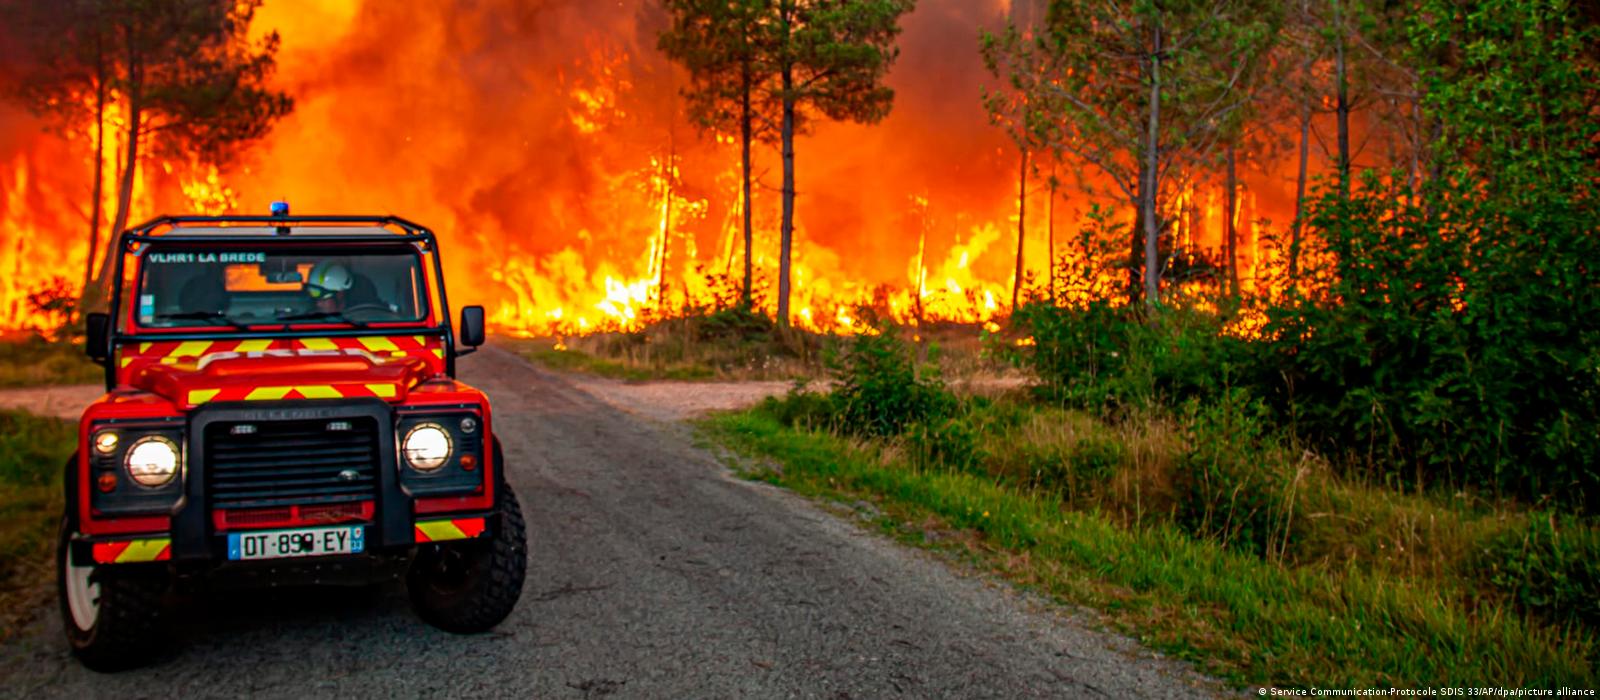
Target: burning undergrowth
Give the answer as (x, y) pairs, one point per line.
(546, 143)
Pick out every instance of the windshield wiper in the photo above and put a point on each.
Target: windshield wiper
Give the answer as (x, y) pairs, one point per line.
(203, 316)
(323, 316)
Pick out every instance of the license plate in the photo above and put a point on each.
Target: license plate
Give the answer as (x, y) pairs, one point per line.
(309, 542)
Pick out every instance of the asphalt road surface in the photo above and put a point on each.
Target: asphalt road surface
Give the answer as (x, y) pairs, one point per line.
(652, 573)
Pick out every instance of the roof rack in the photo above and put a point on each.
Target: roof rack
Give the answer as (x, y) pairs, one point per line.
(163, 226)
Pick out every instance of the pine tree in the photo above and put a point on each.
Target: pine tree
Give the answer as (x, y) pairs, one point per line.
(1135, 89)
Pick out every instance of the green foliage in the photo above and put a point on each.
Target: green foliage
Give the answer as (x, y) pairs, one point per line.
(1550, 566)
(802, 408)
(1078, 352)
(716, 41)
(883, 387)
(1459, 340)
(944, 441)
(1102, 355)
(1231, 484)
(1453, 334)
(1131, 88)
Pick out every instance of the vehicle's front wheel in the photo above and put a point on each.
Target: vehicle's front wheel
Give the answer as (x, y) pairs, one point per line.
(469, 586)
(114, 618)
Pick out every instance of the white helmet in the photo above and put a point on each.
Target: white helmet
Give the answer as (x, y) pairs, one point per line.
(328, 278)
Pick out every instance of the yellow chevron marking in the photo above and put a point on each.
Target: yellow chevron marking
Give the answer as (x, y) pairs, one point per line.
(127, 361)
(382, 390)
(438, 530)
(253, 345)
(200, 396)
(319, 391)
(143, 550)
(418, 338)
(144, 348)
(190, 348)
(438, 352)
(378, 344)
(318, 344)
(267, 393)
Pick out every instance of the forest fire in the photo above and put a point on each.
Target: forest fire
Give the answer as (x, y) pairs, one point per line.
(549, 148)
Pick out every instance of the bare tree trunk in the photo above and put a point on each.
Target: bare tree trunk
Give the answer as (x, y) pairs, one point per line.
(744, 139)
(1050, 228)
(1300, 193)
(1136, 245)
(130, 167)
(666, 223)
(1022, 215)
(96, 207)
(1342, 106)
(1230, 226)
(786, 235)
(1147, 189)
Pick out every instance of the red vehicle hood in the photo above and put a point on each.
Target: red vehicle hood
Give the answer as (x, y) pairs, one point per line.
(278, 375)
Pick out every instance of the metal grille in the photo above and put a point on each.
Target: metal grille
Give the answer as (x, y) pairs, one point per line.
(270, 463)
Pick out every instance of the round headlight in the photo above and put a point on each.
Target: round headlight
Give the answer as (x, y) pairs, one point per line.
(105, 442)
(152, 461)
(426, 447)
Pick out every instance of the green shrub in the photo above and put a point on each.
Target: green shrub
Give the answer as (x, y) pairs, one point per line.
(882, 388)
(1550, 566)
(944, 441)
(802, 408)
(1103, 356)
(735, 324)
(1095, 459)
(1232, 484)
(1079, 353)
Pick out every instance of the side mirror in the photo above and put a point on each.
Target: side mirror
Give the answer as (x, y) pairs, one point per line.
(97, 341)
(472, 327)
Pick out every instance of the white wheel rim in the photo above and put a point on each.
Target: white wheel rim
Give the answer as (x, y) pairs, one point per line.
(83, 596)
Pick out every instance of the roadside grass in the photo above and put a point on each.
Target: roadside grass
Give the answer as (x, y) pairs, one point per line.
(32, 451)
(1361, 587)
(34, 361)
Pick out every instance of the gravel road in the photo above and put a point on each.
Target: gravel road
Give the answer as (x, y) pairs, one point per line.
(652, 573)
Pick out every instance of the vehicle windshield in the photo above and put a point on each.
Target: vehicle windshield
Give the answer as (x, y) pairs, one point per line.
(192, 287)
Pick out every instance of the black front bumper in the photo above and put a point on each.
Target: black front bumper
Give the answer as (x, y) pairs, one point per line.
(192, 539)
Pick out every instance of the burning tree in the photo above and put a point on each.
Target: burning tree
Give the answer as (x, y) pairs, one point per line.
(783, 62)
(1135, 89)
(715, 41)
(188, 82)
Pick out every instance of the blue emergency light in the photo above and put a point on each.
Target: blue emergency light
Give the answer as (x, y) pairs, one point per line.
(280, 208)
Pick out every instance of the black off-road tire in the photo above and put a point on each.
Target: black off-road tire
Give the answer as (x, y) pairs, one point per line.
(470, 586)
(132, 624)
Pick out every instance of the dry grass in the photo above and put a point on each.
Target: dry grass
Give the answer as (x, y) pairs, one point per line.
(34, 361)
(713, 348)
